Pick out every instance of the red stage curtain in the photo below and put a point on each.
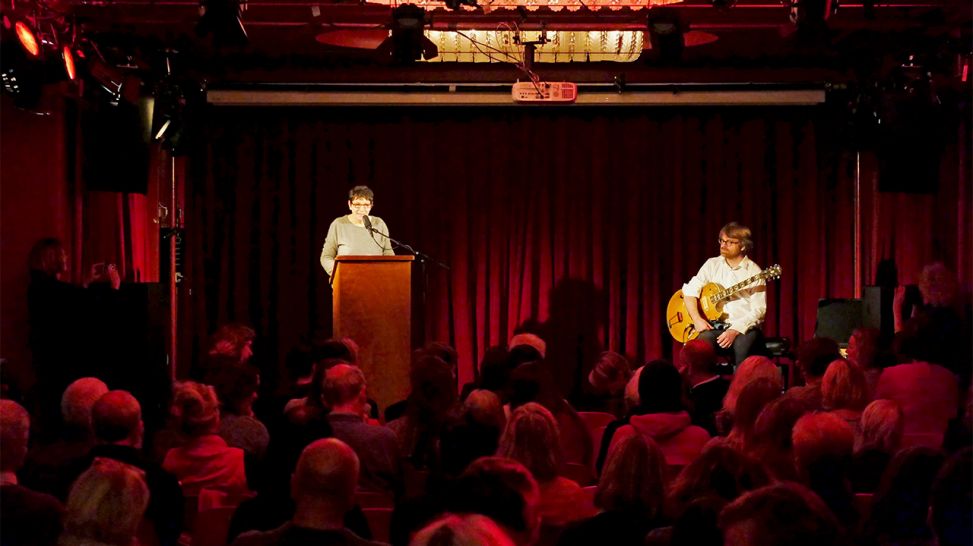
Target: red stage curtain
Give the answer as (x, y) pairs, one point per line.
(581, 222)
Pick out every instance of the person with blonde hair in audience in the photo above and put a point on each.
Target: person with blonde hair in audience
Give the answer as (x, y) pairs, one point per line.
(877, 438)
(752, 400)
(26, 517)
(631, 497)
(105, 506)
(771, 437)
(462, 530)
(204, 460)
(844, 391)
(323, 489)
(531, 438)
(753, 367)
(823, 446)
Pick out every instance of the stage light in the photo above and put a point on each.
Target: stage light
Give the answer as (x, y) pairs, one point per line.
(666, 34)
(69, 67)
(408, 43)
(28, 40)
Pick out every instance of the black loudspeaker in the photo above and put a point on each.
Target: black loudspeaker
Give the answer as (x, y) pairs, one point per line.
(114, 148)
(877, 309)
(838, 318)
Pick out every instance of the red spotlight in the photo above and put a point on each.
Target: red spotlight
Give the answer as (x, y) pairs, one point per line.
(27, 39)
(68, 57)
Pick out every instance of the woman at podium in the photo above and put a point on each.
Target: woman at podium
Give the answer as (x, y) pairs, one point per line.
(356, 234)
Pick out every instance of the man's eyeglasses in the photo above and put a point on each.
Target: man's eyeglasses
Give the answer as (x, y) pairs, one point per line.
(728, 242)
(362, 205)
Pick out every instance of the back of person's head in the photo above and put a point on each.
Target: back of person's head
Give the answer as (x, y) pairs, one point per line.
(881, 427)
(822, 439)
(951, 500)
(531, 382)
(462, 530)
(493, 369)
(78, 398)
(719, 470)
(298, 363)
(900, 505)
(867, 348)
(529, 340)
(484, 407)
(660, 388)
(14, 435)
(632, 390)
(195, 409)
(698, 357)
(234, 341)
(633, 478)
(501, 489)
(531, 438)
(315, 394)
(47, 258)
(117, 417)
(843, 386)
(814, 355)
(770, 440)
(324, 349)
(610, 373)
(105, 505)
(343, 384)
(698, 525)
(921, 339)
(433, 390)
(753, 399)
(783, 514)
(938, 285)
(444, 352)
(327, 470)
(236, 387)
(753, 367)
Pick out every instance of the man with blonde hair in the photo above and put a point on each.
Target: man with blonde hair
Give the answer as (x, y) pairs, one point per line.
(745, 311)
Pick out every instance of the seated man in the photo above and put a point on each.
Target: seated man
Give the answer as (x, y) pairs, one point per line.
(744, 311)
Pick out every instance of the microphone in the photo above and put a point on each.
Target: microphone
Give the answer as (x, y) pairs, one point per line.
(368, 223)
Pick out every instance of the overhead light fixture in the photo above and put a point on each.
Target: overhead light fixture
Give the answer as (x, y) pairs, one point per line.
(665, 34)
(223, 19)
(407, 42)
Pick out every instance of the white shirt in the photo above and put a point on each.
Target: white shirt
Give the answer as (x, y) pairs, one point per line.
(746, 308)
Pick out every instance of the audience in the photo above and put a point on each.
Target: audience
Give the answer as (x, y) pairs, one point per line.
(877, 438)
(468, 530)
(203, 460)
(771, 441)
(813, 358)
(432, 396)
(752, 367)
(844, 391)
(823, 446)
(867, 349)
(607, 381)
(502, 490)
(531, 438)
(323, 489)
(27, 518)
(720, 471)
(752, 400)
(105, 506)
(376, 446)
(900, 506)
(236, 389)
(784, 514)
(630, 495)
(951, 501)
(697, 363)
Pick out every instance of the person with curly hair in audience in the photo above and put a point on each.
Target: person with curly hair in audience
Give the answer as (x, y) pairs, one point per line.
(844, 391)
(877, 438)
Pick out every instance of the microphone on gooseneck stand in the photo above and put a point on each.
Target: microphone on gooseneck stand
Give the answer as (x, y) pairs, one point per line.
(368, 223)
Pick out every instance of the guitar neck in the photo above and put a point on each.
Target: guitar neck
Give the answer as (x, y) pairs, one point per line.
(724, 294)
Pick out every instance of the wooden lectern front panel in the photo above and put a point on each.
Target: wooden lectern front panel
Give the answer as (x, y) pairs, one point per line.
(373, 306)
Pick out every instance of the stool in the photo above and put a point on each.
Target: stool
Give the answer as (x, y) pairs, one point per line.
(779, 348)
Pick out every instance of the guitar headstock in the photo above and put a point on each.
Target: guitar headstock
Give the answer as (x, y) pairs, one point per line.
(772, 272)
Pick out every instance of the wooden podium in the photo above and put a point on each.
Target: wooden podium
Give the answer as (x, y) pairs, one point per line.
(373, 306)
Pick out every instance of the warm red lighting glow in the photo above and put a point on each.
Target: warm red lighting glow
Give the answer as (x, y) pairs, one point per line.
(68, 62)
(27, 39)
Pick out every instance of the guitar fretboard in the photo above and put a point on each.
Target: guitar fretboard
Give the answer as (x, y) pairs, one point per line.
(726, 293)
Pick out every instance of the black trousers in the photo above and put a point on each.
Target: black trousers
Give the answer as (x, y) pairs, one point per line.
(743, 346)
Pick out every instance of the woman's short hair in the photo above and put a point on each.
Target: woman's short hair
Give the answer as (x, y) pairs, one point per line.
(753, 367)
(195, 408)
(881, 427)
(740, 232)
(105, 505)
(47, 257)
(531, 438)
(361, 192)
(632, 479)
(230, 339)
(844, 386)
(754, 397)
(462, 530)
(610, 373)
(484, 407)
